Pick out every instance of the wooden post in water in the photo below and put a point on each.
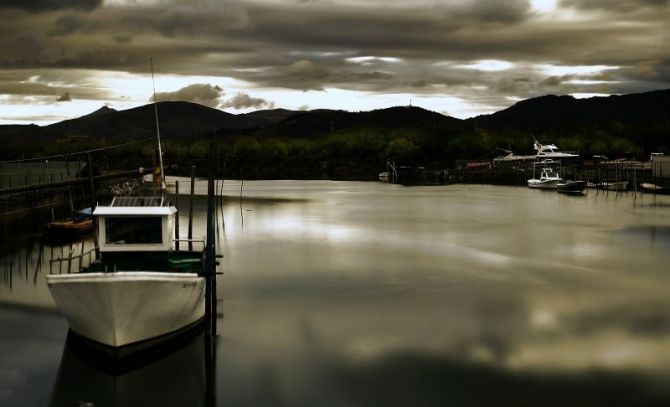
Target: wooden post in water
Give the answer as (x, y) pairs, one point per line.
(90, 180)
(190, 210)
(210, 252)
(69, 194)
(81, 258)
(176, 218)
(92, 186)
(210, 371)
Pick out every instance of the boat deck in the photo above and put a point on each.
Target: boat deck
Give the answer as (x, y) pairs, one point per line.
(175, 261)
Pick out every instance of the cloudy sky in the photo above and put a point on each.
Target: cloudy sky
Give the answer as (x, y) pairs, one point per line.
(64, 58)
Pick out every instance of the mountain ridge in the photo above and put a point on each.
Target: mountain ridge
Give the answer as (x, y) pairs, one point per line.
(642, 118)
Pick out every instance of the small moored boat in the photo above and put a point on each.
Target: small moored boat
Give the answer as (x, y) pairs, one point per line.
(571, 187)
(548, 180)
(613, 185)
(79, 224)
(139, 288)
(650, 188)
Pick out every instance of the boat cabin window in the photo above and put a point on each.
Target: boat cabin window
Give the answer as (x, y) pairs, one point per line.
(133, 230)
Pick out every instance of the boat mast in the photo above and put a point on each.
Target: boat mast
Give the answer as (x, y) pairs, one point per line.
(158, 133)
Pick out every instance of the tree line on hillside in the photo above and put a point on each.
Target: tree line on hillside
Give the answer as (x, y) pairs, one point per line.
(362, 153)
(358, 153)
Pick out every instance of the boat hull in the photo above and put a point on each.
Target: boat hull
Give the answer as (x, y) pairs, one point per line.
(654, 189)
(121, 308)
(571, 187)
(614, 186)
(542, 184)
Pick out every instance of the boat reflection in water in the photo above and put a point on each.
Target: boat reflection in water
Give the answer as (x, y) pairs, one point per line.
(173, 375)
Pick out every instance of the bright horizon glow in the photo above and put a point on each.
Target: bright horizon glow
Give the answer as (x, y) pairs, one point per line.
(588, 95)
(487, 65)
(543, 6)
(369, 59)
(561, 70)
(589, 82)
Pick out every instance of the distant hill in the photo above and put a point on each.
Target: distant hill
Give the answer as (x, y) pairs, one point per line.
(324, 121)
(565, 112)
(264, 118)
(176, 119)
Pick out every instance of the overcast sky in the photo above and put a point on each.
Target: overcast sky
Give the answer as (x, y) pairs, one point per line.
(60, 59)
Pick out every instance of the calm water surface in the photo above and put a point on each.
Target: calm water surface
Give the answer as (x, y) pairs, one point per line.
(353, 293)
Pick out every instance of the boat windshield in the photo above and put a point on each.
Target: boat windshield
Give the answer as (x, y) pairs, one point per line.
(133, 230)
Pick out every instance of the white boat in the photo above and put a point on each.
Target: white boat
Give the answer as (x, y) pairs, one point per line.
(613, 185)
(550, 151)
(654, 189)
(549, 179)
(139, 288)
(543, 152)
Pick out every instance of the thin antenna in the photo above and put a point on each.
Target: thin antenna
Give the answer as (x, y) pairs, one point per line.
(158, 133)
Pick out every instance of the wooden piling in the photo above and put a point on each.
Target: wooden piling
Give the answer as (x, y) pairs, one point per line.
(210, 252)
(190, 210)
(92, 187)
(176, 218)
(69, 194)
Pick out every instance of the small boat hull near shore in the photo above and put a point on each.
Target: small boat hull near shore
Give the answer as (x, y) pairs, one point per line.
(614, 186)
(571, 187)
(650, 188)
(80, 224)
(121, 308)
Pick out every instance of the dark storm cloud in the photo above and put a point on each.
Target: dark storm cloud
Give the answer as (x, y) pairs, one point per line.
(260, 34)
(204, 94)
(35, 6)
(244, 101)
(392, 46)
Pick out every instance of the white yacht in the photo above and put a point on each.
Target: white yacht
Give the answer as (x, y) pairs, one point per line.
(543, 152)
(550, 151)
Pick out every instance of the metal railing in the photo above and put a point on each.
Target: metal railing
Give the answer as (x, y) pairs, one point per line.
(71, 258)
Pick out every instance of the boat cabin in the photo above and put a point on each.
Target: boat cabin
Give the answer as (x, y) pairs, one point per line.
(549, 173)
(136, 233)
